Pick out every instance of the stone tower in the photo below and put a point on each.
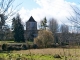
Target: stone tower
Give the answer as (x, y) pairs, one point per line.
(31, 29)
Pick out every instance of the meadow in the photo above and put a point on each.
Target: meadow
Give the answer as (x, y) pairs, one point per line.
(42, 54)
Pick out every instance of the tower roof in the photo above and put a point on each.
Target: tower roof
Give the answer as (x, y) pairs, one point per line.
(31, 19)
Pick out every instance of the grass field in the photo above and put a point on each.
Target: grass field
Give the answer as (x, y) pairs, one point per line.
(12, 42)
(43, 54)
(40, 54)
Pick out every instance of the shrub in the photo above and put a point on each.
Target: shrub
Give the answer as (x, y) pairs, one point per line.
(14, 47)
(57, 56)
(17, 48)
(18, 59)
(64, 43)
(11, 47)
(24, 47)
(0, 47)
(55, 45)
(38, 42)
(44, 38)
(4, 47)
(2, 59)
(35, 46)
(30, 46)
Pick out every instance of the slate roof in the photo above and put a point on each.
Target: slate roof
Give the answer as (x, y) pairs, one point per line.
(31, 19)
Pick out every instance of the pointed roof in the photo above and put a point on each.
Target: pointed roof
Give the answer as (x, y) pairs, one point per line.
(31, 19)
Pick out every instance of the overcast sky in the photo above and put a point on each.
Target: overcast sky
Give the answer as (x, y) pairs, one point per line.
(58, 9)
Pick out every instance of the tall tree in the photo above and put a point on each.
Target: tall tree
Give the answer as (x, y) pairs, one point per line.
(53, 27)
(75, 19)
(6, 12)
(43, 23)
(64, 29)
(18, 29)
(64, 34)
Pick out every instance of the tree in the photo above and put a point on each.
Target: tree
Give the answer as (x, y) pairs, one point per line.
(44, 38)
(6, 31)
(64, 29)
(18, 29)
(75, 19)
(53, 27)
(64, 33)
(5, 5)
(43, 23)
(6, 12)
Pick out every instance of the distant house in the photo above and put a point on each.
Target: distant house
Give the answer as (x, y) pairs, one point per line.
(31, 29)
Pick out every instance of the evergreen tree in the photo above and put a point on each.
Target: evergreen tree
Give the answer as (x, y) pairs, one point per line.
(18, 29)
(43, 24)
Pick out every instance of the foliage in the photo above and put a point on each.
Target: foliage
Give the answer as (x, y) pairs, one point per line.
(35, 46)
(2, 59)
(24, 47)
(7, 33)
(13, 46)
(4, 47)
(44, 39)
(17, 47)
(43, 23)
(57, 56)
(6, 12)
(18, 29)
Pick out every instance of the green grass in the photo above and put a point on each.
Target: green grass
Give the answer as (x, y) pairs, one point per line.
(26, 56)
(15, 56)
(42, 54)
(12, 42)
(2, 42)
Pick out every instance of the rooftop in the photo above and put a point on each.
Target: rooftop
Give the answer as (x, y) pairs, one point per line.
(31, 19)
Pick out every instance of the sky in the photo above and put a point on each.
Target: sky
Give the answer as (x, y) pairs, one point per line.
(57, 9)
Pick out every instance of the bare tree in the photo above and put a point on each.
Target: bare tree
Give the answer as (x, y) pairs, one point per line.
(6, 12)
(5, 5)
(53, 27)
(64, 29)
(7, 9)
(76, 18)
(64, 34)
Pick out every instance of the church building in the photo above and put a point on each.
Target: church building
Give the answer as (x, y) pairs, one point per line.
(31, 29)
